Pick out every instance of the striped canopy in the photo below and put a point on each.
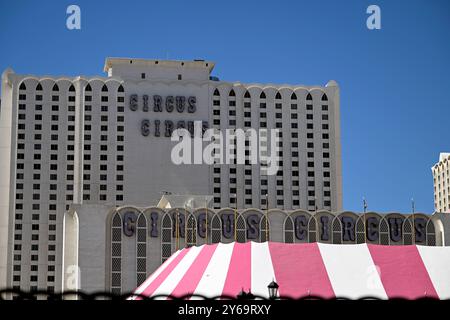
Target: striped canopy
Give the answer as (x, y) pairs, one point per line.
(315, 269)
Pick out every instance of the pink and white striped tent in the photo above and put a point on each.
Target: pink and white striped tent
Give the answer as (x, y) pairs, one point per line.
(316, 269)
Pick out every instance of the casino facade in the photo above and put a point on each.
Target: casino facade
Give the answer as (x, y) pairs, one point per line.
(87, 161)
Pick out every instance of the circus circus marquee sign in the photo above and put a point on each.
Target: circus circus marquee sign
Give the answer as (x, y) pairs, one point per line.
(202, 226)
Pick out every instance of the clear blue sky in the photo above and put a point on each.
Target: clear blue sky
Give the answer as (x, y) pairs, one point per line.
(395, 83)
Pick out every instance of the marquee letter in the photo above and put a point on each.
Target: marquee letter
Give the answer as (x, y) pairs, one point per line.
(253, 226)
(180, 102)
(324, 221)
(191, 104)
(129, 223)
(300, 224)
(348, 228)
(372, 229)
(145, 101)
(145, 127)
(157, 132)
(420, 229)
(157, 101)
(228, 225)
(169, 103)
(169, 128)
(133, 102)
(181, 224)
(395, 228)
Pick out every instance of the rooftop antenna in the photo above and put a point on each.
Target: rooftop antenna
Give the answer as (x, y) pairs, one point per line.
(364, 205)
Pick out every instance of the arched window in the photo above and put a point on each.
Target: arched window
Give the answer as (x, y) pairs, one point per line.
(309, 96)
(104, 88)
(264, 226)
(408, 231)
(232, 94)
(431, 233)
(216, 93)
(360, 233)
(191, 236)
(116, 254)
(216, 229)
(384, 232)
(262, 95)
(71, 88)
(288, 230)
(324, 97)
(22, 86)
(88, 88)
(141, 250)
(293, 96)
(278, 95)
(120, 89)
(241, 230)
(166, 238)
(247, 94)
(39, 87)
(55, 87)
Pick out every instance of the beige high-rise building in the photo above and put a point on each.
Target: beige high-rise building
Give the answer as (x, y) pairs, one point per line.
(106, 141)
(441, 179)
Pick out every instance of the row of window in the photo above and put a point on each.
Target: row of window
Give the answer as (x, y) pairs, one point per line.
(263, 95)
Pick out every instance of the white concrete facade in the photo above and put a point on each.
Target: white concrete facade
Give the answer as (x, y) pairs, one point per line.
(441, 182)
(69, 141)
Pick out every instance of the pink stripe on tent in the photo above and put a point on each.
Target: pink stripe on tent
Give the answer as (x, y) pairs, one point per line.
(163, 275)
(403, 272)
(239, 270)
(299, 270)
(192, 277)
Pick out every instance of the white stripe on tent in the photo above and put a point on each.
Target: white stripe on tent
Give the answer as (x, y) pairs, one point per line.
(213, 280)
(170, 283)
(437, 263)
(155, 274)
(352, 271)
(262, 269)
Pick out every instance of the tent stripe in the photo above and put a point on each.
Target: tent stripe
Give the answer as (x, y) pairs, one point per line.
(299, 270)
(352, 271)
(315, 269)
(150, 290)
(437, 263)
(262, 273)
(213, 280)
(154, 275)
(169, 284)
(239, 271)
(195, 272)
(403, 273)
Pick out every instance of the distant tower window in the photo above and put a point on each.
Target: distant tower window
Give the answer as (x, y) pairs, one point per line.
(179, 77)
(142, 75)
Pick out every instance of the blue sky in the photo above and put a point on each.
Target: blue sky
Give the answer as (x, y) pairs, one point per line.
(395, 108)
